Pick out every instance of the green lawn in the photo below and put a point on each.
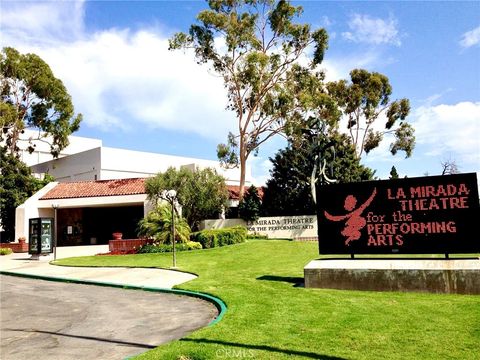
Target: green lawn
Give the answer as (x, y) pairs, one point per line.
(270, 318)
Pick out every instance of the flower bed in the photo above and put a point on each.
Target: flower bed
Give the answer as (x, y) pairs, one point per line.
(19, 247)
(129, 252)
(125, 245)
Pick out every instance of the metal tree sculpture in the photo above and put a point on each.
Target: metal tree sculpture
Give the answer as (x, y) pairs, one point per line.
(315, 137)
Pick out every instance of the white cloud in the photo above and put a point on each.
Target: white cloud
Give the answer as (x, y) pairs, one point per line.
(42, 22)
(123, 79)
(442, 132)
(365, 29)
(339, 67)
(325, 21)
(450, 131)
(471, 38)
(261, 169)
(261, 164)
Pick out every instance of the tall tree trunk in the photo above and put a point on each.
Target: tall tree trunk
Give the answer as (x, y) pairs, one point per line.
(243, 163)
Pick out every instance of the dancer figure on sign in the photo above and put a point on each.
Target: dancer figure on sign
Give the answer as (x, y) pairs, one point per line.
(355, 222)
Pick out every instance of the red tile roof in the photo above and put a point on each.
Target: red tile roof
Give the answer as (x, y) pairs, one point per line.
(234, 191)
(83, 189)
(120, 187)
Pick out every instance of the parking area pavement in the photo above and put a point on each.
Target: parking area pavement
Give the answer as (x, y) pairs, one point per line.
(55, 320)
(22, 263)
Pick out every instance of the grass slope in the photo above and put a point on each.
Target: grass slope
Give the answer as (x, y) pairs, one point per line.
(269, 318)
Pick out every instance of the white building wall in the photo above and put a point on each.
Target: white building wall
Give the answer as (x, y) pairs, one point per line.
(94, 201)
(104, 163)
(77, 167)
(114, 175)
(85, 158)
(30, 209)
(34, 207)
(122, 163)
(42, 149)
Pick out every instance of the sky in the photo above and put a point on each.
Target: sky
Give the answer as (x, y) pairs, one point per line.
(133, 93)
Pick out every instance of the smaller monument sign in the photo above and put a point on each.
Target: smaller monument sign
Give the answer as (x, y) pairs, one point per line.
(424, 215)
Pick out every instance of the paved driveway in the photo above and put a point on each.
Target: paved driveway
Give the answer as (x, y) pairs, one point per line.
(50, 320)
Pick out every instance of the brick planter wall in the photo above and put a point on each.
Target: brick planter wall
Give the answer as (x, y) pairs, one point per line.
(306, 238)
(16, 247)
(124, 245)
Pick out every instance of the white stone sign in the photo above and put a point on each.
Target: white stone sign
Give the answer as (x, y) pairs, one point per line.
(282, 227)
(291, 227)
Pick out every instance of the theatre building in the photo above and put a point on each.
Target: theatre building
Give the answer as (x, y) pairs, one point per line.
(100, 190)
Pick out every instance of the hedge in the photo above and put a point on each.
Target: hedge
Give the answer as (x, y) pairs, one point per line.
(220, 237)
(5, 251)
(163, 248)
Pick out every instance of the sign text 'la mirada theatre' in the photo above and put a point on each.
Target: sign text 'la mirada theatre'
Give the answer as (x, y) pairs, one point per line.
(425, 215)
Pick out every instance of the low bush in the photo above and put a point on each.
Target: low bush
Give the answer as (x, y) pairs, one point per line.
(163, 248)
(220, 237)
(193, 245)
(5, 251)
(154, 248)
(258, 236)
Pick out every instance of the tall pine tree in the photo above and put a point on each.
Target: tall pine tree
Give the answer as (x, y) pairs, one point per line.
(288, 191)
(250, 206)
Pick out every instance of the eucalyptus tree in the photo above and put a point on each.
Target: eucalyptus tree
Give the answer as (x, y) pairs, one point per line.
(253, 45)
(33, 98)
(17, 184)
(363, 100)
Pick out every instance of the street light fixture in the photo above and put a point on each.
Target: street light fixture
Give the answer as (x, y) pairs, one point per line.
(171, 197)
(55, 207)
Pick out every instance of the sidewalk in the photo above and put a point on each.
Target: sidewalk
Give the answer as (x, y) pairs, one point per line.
(21, 263)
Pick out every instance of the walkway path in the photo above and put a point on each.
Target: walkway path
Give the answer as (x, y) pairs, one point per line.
(23, 264)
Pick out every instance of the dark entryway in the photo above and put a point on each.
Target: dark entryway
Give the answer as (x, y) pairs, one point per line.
(95, 225)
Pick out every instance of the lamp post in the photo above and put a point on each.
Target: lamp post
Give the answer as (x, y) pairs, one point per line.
(55, 208)
(171, 197)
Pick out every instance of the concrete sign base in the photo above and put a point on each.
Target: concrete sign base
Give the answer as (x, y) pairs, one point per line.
(454, 276)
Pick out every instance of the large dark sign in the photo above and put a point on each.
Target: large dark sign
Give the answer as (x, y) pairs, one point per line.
(425, 215)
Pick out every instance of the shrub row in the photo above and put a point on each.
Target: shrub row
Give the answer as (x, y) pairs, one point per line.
(163, 248)
(220, 237)
(258, 236)
(5, 251)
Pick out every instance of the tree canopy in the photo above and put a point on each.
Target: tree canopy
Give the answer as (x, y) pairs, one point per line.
(449, 167)
(33, 98)
(250, 206)
(17, 184)
(362, 101)
(253, 45)
(393, 173)
(202, 194)
(288, 190)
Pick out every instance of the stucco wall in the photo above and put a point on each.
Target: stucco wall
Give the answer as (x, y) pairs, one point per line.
(34, 207)
(288, 227)
(104, 163)
(42, 149)
(122, 163)
(221, 223)
(29, 210)
(78, 167)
